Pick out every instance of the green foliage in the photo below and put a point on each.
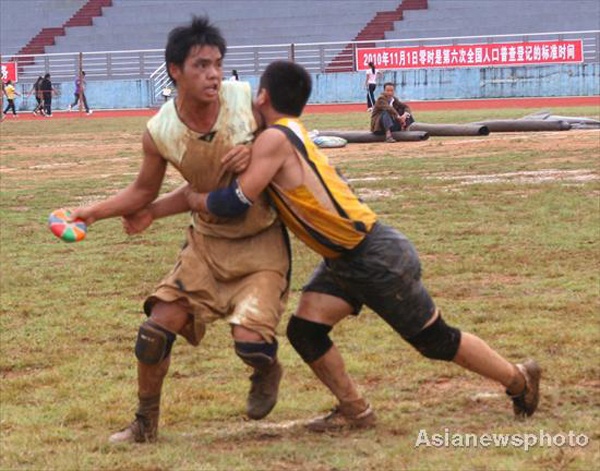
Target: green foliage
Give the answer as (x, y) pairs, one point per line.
(507, 230)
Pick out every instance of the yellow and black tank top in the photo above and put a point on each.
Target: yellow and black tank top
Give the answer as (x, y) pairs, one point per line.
(323, 211)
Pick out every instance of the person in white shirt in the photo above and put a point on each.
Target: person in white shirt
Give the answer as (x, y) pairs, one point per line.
(371, 85)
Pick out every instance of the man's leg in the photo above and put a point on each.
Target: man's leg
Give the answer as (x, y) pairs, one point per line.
(308, 333)
(389, 124)
(404, 303)
(153, 349)
(521, 381)
(262, 357)
(85, 104)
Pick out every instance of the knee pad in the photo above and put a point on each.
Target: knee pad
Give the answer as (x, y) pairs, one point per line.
(153, 343)
(257, 355)
(437, 341)
(310, 339)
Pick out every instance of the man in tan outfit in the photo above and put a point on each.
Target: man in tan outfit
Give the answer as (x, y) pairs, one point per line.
(232, 269)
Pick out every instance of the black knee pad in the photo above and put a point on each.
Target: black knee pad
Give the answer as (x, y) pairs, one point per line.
(153, 343)
(310, 339)
(257, 355)
(437, 341)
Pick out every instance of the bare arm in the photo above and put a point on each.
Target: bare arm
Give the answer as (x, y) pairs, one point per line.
(136, 195)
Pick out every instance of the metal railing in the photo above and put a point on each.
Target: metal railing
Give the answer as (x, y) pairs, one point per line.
(252, 60)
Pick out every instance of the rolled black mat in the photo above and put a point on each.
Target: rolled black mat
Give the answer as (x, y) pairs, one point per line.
(450, 129)
(356, 137)
(524, 125)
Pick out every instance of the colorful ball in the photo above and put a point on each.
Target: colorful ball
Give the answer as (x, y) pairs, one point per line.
(67, 231)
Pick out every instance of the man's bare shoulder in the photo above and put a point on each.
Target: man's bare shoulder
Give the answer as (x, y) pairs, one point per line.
(149, 146)
(270, 139)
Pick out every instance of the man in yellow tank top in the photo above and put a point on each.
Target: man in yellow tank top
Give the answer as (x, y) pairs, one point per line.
(365, 262)
(203, 133)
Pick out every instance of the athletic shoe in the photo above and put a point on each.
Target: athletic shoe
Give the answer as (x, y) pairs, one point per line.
(390, 140)
(70, 108)
(348, 415)
(263, 391)
(526, 402)
(89, 112)
(369, 110)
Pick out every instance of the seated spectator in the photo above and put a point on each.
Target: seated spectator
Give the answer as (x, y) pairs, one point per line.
(390, 114)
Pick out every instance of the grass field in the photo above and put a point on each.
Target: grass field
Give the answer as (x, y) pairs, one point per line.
(507, 228)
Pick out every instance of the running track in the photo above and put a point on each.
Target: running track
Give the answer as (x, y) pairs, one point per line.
(346, 108)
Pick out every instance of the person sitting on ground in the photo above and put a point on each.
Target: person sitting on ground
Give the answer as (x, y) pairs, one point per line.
(390, 114)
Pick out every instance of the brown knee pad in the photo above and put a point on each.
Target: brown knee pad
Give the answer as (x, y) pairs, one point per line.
(153, 343)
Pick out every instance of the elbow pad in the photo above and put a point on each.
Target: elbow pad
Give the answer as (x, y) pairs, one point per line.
(228, 202)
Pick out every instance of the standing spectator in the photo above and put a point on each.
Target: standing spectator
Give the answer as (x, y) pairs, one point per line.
(80, 85)
(167, 92)
(10, 93)
(2, 94)
(234, 76)
(37, 89)
(371, 85)
(390, 114)
(47, 91)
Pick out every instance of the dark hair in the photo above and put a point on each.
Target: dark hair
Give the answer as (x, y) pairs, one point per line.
(235, 74)
(289, 86)
(389, 84)
(83, 72)
(199, 32)
(372, 67)
(47, 76)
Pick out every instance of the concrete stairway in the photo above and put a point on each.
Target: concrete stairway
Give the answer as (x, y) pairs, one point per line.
(46, 37)
(375, 29)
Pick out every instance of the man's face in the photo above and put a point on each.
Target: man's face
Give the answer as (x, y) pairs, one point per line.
(388, 91)
(201, 74)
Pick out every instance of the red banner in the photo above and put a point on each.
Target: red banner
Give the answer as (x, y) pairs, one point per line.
(8, 71)
(471, 55)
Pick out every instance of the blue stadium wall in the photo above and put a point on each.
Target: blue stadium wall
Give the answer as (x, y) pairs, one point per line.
(412, 85)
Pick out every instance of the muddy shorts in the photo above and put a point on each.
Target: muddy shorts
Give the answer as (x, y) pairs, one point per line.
(242, 281)
(384, 273)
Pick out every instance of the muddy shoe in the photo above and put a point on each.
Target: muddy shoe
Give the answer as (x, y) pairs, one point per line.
(138, 431)
(351, 415)
(263, 391)
(144, 429)
(526, 402)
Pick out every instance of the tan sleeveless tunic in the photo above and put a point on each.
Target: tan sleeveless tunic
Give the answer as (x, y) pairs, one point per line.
(235, 269)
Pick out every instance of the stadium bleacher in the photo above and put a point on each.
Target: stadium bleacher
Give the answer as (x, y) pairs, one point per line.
(445, 18)
(21, 20)
(144, 24)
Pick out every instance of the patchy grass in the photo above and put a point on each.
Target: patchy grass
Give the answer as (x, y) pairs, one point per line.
(507, 229)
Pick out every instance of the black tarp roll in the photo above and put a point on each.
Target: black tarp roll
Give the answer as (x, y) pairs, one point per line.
(524, 125)
(356, 137)
(450, 129)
